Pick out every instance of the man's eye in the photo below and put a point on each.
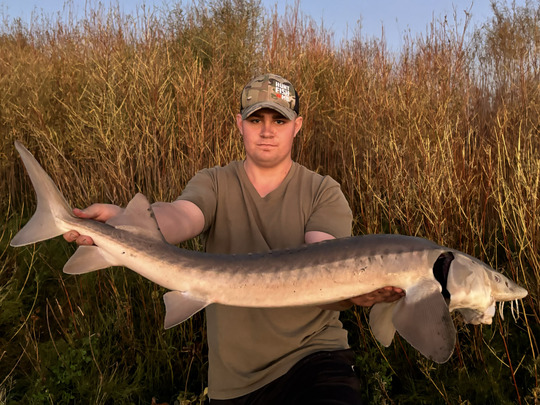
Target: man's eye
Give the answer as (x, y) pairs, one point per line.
(280, 122)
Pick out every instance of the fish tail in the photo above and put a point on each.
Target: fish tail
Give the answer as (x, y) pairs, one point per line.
(51, 204)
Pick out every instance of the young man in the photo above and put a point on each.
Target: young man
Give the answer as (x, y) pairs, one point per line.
(266, 202)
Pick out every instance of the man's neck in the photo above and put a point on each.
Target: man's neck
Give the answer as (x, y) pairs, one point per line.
(267, 179)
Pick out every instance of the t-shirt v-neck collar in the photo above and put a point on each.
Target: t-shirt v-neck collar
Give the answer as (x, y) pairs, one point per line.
(277, 191)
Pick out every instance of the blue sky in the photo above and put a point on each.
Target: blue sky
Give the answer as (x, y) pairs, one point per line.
(340, 16)
(397, 16)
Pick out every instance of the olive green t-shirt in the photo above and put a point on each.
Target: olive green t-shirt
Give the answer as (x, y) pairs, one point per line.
(250, 347)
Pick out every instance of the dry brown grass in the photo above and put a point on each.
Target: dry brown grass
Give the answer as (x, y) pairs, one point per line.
(440, 141)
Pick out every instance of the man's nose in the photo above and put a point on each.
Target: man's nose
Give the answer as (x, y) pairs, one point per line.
(267, 129)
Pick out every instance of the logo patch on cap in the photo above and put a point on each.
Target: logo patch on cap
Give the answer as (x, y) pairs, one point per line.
(269, 91)
(282, 90)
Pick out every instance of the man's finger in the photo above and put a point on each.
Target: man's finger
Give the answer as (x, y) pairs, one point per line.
(84, 240)
(71, 236)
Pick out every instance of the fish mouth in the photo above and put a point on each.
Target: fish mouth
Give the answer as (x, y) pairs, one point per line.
(477, 317)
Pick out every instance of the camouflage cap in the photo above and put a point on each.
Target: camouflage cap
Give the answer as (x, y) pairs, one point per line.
(269, 91)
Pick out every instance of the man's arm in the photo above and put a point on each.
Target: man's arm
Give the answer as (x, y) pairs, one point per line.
(385, 294)
(178, 220)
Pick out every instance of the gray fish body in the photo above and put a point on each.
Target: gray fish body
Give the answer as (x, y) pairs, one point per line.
(311, 275)
(314, 274)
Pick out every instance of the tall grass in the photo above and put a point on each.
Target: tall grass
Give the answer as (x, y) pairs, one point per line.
(440, 140)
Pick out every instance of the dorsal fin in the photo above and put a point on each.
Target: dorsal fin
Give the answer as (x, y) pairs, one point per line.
(138, 218)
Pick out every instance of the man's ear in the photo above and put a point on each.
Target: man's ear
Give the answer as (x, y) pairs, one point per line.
(239, 123)
(298, 125)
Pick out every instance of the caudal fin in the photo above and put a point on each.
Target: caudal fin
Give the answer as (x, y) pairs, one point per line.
(51, 204)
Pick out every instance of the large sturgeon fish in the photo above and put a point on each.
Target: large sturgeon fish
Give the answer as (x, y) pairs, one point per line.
(437, 280)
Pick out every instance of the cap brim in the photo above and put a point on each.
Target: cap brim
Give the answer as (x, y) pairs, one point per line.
(286, 112)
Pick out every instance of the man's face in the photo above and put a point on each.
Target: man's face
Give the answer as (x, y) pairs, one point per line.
(268, 136)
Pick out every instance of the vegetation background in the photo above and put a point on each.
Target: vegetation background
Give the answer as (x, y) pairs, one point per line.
(439, 140)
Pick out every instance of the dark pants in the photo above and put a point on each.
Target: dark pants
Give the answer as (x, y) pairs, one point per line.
(321, 378)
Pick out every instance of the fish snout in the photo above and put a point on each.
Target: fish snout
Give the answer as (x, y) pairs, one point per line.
(504, 289)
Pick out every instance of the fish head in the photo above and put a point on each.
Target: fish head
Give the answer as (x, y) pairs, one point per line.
(475, 287)
(468, 284)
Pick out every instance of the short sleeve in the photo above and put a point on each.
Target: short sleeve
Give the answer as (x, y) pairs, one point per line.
(201, 190)
(331, 212)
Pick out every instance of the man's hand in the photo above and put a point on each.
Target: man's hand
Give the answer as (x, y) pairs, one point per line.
(98, 212)
(385, 294)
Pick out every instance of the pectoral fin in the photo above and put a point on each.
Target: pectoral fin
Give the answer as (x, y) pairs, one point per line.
(423, 319)
(180, 306)
(87, 259)
(380, 321)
